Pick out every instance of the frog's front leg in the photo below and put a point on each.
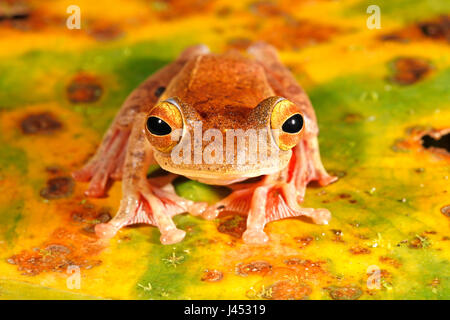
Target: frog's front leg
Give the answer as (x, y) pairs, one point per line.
(274, 198)
(143, 202)
(109, 159)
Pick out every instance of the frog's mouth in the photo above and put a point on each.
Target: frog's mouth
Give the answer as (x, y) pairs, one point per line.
(217, 181)
(228, 178)
(222, 175)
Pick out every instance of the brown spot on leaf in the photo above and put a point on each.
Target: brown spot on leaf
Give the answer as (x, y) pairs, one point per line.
(293, 281)
(254, 267)
(102, 217)
(232, 224)
(21, 15)
(435, 283)
(305, 268)
(419, 139)
(106, 32)
(445, 210)
(353, 117)
(62, 250)
(267, 9)
(239, 43)
(212, 275)
(359, 250)
(57, 249)
(337, 232)
(393, 37)
(419, 242)
(437, 29)
(337, 173)
(390, 261)
(175, 9)
(296, 33)
(303, 241)
(344, 293)
(288, 290)
(14, 10)
(224, 12)
(57, 188)
(88, 216)
(440, 143)
(54, 170)
(409, 70)
(40, 123)
(84, 88)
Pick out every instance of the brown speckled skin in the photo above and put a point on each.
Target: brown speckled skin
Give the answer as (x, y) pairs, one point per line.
(221, 89)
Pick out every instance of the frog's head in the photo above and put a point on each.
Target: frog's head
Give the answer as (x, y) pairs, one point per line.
(219, 151)
(223, 126)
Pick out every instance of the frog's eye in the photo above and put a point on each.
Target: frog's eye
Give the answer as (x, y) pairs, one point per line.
(163, 126)
(287, 122)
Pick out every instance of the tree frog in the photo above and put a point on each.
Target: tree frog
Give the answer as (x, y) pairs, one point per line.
(193, 104)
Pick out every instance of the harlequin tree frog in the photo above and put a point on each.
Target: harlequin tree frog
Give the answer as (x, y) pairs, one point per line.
(188, 108)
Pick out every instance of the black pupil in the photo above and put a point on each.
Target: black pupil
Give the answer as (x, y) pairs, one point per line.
(158, 126)
(294, 124)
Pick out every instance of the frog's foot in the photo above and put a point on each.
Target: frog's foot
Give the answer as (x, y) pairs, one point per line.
(148, 205)
(271, 203)
(107, 163)
(265, 203)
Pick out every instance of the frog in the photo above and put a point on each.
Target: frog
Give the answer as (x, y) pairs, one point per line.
(206, 92)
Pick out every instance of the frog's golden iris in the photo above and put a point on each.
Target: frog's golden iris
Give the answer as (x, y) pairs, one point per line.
(287, 122)
(162, 120)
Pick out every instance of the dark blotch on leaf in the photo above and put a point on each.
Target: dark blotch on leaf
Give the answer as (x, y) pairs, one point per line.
(359, 250)
(254, 267)
(353, 117)
(441, 143)
(344, 293)
(446, 211)
(40, 123)
(408, 70)
(57, 249)
(212, 276)
(84, 88)
(232, 224)
(106, 32)
(57, 188)
(439, 29)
